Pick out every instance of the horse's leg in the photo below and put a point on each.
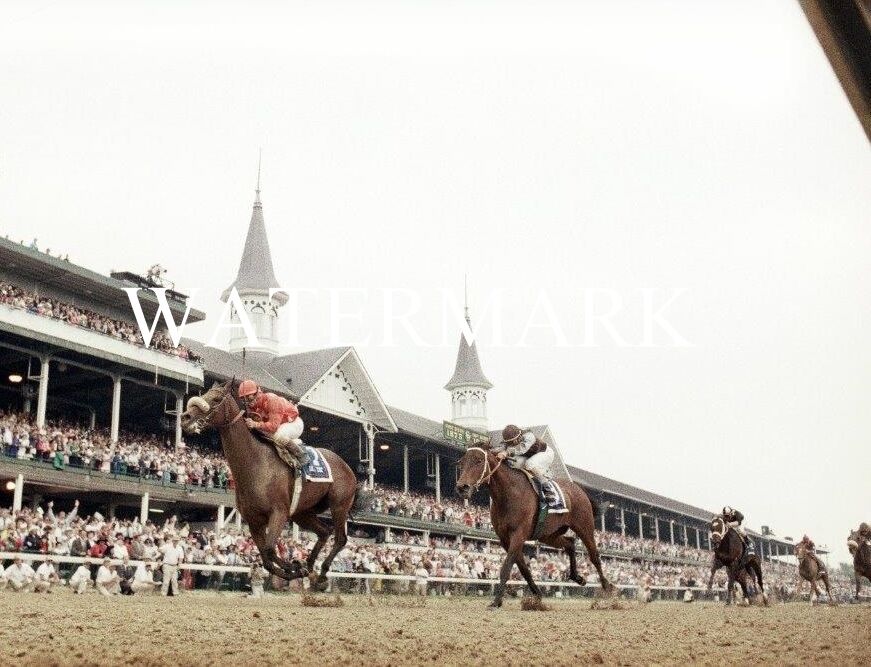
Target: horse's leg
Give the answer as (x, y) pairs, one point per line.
(340, 539)
(568, 545)
(277, 522)
(730, 585)
(757, 570)
(310, 521)
(515, 547)
(589, 540)
(523, 566)
(257, 525)
(741, 578)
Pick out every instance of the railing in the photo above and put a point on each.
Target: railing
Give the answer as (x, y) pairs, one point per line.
(89, 473)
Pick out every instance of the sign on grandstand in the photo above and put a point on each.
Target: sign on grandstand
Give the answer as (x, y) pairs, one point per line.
(463, 435)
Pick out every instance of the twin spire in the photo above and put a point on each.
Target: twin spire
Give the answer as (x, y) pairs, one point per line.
(468, 371)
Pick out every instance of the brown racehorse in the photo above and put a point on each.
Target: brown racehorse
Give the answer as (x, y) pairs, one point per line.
(513, 513)
(810, 569)
(264, 485)
(861, 551)
(728, 551)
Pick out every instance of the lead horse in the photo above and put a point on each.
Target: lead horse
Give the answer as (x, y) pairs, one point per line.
(264, 486)
(513, 513)
(729, 553)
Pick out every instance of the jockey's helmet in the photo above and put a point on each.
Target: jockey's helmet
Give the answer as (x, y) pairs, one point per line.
(727, 510)
(511, 434)
(248, 388)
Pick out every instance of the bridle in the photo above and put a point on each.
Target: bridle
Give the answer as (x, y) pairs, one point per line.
(206, 418)
(486, 470)
(721, 533)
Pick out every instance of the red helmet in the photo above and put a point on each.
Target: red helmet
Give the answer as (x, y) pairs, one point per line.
(248, 388)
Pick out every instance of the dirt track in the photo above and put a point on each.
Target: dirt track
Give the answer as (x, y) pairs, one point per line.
(61, 628)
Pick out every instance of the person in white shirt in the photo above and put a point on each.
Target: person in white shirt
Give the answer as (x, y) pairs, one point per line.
(173, 554)
(421, 575)
(143, 580)
(46, 575)
(258, 575)
(80, 579)
(19, 576)
(108, 582)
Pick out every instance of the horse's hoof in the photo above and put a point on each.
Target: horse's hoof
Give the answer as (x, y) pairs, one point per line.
(580, 580)
(494, 605)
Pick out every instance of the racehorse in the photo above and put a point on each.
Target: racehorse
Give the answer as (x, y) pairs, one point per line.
(809, 570)
(729, 552)
(264, 486)
(514, 511)
(861, 551)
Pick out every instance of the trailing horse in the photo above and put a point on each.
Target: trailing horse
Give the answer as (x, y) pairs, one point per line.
(861, 551)
(729, 553)
(514, 511)
(810, 569)
(265, 486)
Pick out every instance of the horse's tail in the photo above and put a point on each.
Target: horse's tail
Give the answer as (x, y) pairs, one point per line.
(362, 496)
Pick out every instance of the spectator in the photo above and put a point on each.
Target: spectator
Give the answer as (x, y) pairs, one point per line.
(80, 579)
(19, 576)
(107, 579)
(173, 554)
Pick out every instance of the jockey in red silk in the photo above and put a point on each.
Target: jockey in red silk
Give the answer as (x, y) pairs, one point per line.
(275, 417)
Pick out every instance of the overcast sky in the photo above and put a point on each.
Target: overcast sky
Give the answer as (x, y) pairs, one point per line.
(544, 148)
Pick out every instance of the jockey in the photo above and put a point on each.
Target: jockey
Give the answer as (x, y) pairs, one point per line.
(733, 518)
(275, 417)
(527, 451)
(808, 544)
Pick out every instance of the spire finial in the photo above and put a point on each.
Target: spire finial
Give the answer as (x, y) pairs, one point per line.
(257, 191)
(466, 295)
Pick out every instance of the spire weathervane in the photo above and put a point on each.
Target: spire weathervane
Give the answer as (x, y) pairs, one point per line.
(466, 295)
(259, 159)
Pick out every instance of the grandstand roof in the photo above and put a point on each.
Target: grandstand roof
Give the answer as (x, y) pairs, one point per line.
(91, 286)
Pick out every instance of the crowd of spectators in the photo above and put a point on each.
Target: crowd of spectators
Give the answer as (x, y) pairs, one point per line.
(17, 297)
(424, 507)
(63, 443)
(111, 543)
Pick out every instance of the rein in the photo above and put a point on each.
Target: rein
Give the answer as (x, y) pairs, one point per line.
(486, 470)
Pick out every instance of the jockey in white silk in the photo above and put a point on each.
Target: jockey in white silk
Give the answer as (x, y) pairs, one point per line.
(527, 451)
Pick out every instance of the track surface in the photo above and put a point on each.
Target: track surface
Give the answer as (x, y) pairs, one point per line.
(198, 629)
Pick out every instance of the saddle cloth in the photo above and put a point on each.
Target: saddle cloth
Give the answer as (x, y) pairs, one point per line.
(549, 493)
(316, 469)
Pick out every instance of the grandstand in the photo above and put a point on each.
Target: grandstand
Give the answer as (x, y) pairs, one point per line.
(71, 358)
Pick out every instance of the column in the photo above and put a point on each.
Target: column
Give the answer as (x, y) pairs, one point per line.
(238, 520)
(656, 525)
(93, 420)
(671, 529)
(179, 409)
(219, 523)
(438, 478)
(641, 525)
(143, 508)
(116, 408)
(370, 448)
(42, 396)
(603, 519)
(19, 493)
(623, 521)
(686, 540)
(698, 540)
(405, 468)
(388, 534)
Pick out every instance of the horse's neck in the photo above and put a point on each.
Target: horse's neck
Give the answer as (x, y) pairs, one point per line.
(502, 483)
(240, 448)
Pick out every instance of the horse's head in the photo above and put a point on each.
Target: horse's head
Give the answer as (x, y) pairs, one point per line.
(801, 550)
(214, 409)
(717, 530)
(476, 468)
(853, 542)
